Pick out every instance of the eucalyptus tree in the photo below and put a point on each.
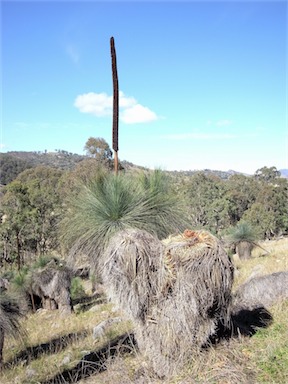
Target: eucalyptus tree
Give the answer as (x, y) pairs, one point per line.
(11, 167)
(269, 213)
(84, 172)
(268, 174)
(98, 148)
(262, 218)
(206, 202)
(31, 207)
(15, 221)
(43, 185)
(281, 205)
(241, 194)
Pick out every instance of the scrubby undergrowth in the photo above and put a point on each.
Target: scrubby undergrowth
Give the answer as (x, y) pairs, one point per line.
(56, 344)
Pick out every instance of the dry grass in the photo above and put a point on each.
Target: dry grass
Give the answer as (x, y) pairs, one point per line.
(271, 257)
(69, 338)
(261, 359)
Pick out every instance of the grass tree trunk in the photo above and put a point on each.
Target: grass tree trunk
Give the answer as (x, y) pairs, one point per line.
(244, 250)
(115, 104)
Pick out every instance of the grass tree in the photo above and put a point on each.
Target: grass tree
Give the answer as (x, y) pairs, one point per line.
(176, 292)
(11, 312)
(244, 237)
(115, 202)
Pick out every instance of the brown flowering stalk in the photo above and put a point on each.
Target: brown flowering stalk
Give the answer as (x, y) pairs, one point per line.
(115, 104)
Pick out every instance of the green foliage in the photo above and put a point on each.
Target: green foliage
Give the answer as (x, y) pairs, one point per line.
(85, 172)
(241, 193)
(217, 205)
(33, 204)
(267, 174)
(22, 280)
(261, 219)
(207, 203)
(16, 217)
(98, 148)
(77, 289)
(243, 231)
(280, 208)
(113, 203)
(269, 212)
(154, 181)
(8, 274)
(13, 163)
(32, 208)
(19, 280)
(42, 261)
(11, 167)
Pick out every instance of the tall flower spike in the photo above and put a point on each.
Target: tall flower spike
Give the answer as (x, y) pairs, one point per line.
(115, 104)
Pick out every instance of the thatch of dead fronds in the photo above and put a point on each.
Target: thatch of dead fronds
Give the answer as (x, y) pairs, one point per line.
(202, 260)
(11, 311)
(134, 271)
(4, 284)
(176, 291)
(262, 291)
(53, 283)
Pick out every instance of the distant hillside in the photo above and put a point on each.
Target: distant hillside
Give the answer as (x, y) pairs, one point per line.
(224, 175)
(59, 159)
(13, 163)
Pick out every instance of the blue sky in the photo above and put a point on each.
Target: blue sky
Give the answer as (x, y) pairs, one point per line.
(203, 84)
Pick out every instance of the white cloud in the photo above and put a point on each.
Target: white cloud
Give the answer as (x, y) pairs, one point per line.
(124, 101)
(137, 114)
(100, 104)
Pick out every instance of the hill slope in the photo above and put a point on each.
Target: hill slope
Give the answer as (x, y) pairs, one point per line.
(13, 163)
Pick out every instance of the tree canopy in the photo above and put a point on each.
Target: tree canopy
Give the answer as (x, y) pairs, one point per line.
(34, 203)
(268, 174)
(30, 209)
(98, 148)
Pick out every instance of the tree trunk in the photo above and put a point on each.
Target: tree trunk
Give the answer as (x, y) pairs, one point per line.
(116, 162)
(244, 250)
(32, 301)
